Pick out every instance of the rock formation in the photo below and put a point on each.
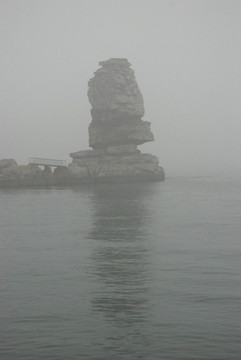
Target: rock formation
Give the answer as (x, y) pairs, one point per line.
(23, 175)
(12, 174)
(116, 130)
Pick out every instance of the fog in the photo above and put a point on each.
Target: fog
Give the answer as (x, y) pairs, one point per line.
(186, 56)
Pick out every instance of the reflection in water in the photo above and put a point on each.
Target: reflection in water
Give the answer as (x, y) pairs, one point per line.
(120, 252)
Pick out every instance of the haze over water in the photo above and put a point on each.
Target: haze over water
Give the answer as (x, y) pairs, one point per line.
(134, 271)
(186, 55)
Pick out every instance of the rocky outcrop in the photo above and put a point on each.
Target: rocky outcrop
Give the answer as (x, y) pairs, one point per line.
(114, 91)
(23, 175)
(14, 175)
(117, 107)
(126, 131)
(115, 163)
(6, 164)
(116, 130)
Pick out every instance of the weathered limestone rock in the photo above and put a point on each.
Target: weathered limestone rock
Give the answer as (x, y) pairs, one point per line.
(117, 107)
(24, 175)
(114, 89)
(122, 149)
(61, 176)
(125, 132)
(86, 153)
(7, 163)
(116, 130)
(79, 170)
(116, 166)
(30, 174)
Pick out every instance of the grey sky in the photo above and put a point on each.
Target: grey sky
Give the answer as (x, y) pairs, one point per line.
(186, 55)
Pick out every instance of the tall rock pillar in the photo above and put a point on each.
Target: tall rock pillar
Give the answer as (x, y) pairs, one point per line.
(116, 129)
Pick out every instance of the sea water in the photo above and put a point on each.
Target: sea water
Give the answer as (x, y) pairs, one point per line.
(122, 271)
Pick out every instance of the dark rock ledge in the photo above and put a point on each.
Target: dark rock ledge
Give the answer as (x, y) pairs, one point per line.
(82, 171)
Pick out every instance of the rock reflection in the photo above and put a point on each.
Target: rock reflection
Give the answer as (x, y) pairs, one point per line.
(120, 252)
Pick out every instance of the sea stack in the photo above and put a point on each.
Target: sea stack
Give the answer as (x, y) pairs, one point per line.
(116, 130)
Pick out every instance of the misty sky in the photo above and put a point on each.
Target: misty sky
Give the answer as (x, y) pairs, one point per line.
(186, 55)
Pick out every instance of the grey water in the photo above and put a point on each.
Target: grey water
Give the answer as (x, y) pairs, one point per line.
(131, 271)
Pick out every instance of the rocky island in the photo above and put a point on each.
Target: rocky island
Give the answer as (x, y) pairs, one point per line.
(115, 131)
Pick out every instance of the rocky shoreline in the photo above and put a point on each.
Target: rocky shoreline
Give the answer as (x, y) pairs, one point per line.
(116, 129)
(14, 175)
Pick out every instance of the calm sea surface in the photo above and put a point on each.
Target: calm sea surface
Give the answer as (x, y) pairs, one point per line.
(134, 271)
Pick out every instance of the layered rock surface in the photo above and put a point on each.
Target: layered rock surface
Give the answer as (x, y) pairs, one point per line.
(117, 106)
(116, 130)
(114, 91)
(115, 163)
